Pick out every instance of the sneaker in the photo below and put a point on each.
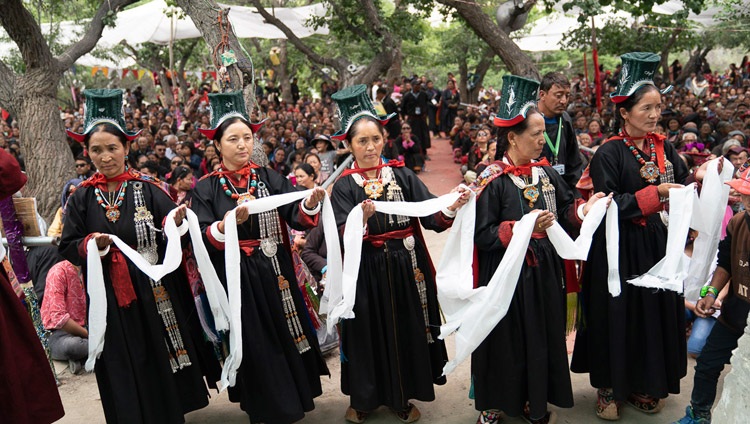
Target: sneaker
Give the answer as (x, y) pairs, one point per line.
(411, 414)
(491, 416)
(645, 403)
(690, 418)
(606, 406)
(354, 416)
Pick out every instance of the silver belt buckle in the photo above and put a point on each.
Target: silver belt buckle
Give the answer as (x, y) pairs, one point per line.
(409, 243)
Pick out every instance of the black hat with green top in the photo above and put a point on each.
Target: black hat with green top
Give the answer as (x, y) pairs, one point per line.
(225, 106)
(638, 69)
(518, 95)
(353, 103)
(103, 106)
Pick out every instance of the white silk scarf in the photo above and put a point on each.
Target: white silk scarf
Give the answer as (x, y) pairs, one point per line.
(95, 280)
(232, 260)
(481, 309)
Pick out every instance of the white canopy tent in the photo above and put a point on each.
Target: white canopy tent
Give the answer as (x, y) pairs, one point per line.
(150, 23)
(547, 33)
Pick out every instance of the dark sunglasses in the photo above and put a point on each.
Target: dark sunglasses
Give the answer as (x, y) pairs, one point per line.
(405, 128)
(482, 134)
(176, 162)
(80, 165)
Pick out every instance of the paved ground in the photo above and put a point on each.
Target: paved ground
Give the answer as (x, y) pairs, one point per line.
(82, 404)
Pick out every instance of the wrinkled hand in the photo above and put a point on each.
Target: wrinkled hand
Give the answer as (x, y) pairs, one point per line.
(180, 214)
(663, 189)
(465, 194)
(595, 198)
(102, 241)
(316, 197)
(544, 220)
(705, 307)
(368, 209)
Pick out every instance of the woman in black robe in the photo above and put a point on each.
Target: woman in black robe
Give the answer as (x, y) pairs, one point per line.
(150, 371)
(523, 364)
(28, 393)
(390, 351)
(633, 345)
(280, 372)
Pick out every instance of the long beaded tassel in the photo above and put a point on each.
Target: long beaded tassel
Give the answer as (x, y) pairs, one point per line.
(548, 192)
(395, 194)
(146, 235)
(292, 318)
(421, 286)
(270, 233)
(164, 307)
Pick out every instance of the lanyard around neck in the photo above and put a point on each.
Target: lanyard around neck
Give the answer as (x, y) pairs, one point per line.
(556, 147)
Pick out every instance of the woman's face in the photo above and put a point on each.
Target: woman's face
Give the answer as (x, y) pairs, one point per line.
(299, 144)
(367, 143)
(674, 125)
(483, 136)
(644, 116)
(491, 151)
(304, 179)
(108, 153)
(209, 153)
(185, 183)
(594, 127)
(236, 144)
(279, 156)
(585, 140)
(314, 162)
(528, 144)
(405, 130)
(176, 161)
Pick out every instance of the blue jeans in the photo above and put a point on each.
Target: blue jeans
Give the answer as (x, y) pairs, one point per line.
(717, 352)
(699, 333)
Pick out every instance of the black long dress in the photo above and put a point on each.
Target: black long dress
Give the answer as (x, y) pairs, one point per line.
(134, 375)
(386, 359)
(634, 342)
(524, 359)
(275, 383)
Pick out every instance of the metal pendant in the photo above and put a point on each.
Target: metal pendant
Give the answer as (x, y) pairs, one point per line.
(268, 247)
(531, 193)
(112, 213)
(150, 255)
(409, 243)
(373, 188)
(244, 197)
(649, 172)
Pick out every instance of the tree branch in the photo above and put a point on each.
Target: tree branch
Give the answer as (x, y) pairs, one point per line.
(341, 15)
(514, 58)
(93, 32)
(372, 18)
(25, 32)
(338, 63)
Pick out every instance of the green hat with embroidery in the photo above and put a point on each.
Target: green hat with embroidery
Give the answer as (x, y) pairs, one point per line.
(103, 106)
(353, 103)
(638, 69)
(519, 94)
(225, 106)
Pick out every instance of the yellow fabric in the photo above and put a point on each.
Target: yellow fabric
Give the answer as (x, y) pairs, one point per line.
(55, 229)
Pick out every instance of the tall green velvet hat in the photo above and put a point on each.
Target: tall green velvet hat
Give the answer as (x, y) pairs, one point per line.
(638, 69)
(102, 105)
(225, 106)
(353, 103)
(519, 94)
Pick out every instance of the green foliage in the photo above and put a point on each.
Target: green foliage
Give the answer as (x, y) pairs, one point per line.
(651, 35)
(590, 8)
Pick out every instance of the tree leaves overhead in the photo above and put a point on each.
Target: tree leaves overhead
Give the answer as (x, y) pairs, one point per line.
(590, 8)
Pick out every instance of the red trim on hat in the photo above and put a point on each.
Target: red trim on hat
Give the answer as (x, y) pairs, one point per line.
(508, 122)
(618, 99)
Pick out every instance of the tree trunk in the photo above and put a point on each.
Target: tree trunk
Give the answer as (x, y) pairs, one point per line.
(205, 16)
(49, 161)
(463, 79)
(666, 74)
(482, 67)
(696, 57)
(395, 71)
(518, 62)
(282, 72)
(166, 87)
